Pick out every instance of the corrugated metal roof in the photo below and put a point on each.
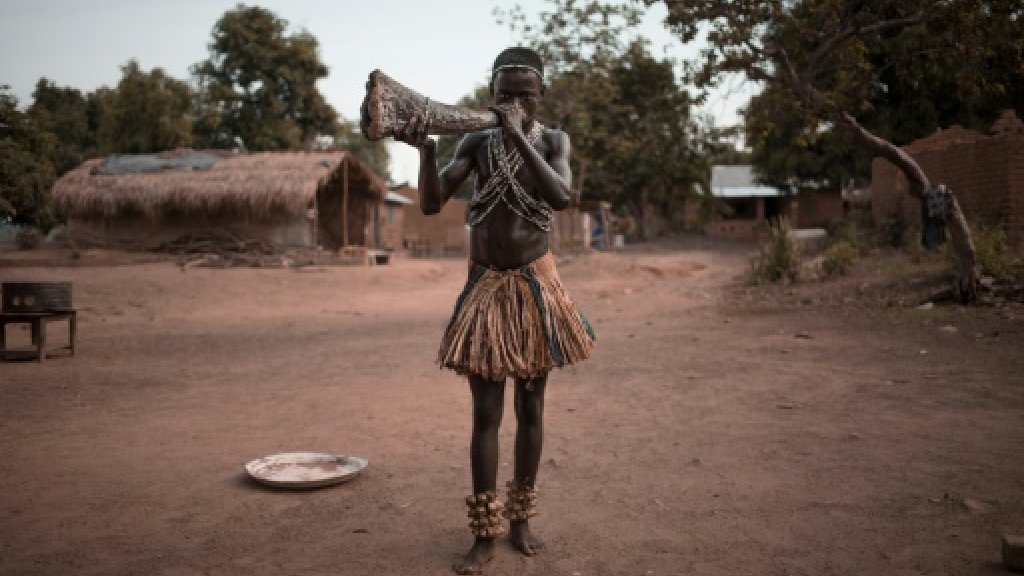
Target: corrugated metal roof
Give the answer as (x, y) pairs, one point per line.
(738, 182)
(397, 198)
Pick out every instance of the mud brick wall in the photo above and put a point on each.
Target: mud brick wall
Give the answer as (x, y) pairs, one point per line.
(438, 234)
(390, 219)
(985, 172)
(819, 209)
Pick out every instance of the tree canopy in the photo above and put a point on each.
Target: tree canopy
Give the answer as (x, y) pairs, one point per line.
(26, 172)
(838, 59)
(258, 87)
(146, 112)
(64, 112)
(373, 153)
(897, 70)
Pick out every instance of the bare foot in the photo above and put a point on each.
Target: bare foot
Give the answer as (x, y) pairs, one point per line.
(521, 538)
(474, 560)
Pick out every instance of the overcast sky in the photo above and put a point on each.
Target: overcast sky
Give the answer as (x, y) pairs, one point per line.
(441, 49)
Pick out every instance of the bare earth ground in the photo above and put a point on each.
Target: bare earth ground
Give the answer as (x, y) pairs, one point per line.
(718, 430)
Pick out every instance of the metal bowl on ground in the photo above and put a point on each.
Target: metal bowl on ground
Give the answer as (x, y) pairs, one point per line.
(301, 470)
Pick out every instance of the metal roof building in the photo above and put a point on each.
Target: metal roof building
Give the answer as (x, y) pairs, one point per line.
(739, 182)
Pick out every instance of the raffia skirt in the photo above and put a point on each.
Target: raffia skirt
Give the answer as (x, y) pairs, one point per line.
(519, 322)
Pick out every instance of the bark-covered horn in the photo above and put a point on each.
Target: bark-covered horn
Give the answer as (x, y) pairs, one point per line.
(388, 106)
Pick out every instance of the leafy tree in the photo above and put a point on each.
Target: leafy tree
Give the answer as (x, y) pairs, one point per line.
(26, 173)
(258, 87)
(921, 83)
(147, 112)
(820, 53)
(375, 154)
(64, 113)
(789, 153)
(658, 159)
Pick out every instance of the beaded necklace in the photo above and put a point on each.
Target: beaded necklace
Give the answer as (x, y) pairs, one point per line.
(503, 185)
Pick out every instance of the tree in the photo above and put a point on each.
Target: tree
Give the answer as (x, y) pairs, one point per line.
(258, 87)
(629, 120)
(64, 113)
(658, 158)
(919, 86)
(819, 52)
(147, 112)
(789, 153)
(373, 153)
(26, 173)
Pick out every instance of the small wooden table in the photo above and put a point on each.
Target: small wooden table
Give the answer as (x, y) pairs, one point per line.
(38, 322)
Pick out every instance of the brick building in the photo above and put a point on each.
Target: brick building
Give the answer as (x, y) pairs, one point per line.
(986, 172)
(388, 220)
(753, 206)
(443, 234)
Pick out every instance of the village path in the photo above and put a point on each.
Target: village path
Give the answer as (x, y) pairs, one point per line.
(714, 432)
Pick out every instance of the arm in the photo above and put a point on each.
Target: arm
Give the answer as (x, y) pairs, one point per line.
(552, 177)
(435, 189)
(462, 164)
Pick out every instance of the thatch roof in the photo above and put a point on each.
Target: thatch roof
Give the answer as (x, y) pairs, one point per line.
(258, 185)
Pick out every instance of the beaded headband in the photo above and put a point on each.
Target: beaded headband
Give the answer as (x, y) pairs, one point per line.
(517, 66)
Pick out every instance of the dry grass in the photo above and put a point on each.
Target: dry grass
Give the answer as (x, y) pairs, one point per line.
(779, 260)
(254, 185)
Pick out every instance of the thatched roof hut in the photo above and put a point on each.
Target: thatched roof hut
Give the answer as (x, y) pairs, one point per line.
(289, 198)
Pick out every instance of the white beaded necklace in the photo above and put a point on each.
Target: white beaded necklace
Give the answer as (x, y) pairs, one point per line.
(503, 185)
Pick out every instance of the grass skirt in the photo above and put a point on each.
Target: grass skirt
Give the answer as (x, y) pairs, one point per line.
(519, 322)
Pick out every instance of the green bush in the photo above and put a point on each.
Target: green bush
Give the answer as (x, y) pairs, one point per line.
(854, 233)
(839, 258)
(779, 259)
(994, 255)
(28, 238)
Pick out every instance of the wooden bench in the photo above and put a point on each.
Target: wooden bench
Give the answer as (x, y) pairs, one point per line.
(38, 322)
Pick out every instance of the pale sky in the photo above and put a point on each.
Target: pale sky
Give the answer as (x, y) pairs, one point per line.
(442, 49)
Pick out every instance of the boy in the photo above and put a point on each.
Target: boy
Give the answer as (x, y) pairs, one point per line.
(514, 318)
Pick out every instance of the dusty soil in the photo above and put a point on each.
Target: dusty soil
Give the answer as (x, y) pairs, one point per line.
(718, 430)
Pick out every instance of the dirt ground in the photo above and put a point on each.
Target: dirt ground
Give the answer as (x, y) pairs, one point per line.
(718, 430)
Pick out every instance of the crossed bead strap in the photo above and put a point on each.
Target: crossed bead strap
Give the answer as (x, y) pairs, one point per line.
(522, 502)
(485, 515)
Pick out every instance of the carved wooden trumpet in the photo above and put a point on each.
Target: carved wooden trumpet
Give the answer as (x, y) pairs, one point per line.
(388, 106)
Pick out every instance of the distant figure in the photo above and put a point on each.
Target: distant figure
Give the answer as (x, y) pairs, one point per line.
(597, 233)
(513, 318)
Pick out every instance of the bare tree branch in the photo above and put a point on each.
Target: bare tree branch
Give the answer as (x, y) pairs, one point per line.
(800, 86)
(760, 74)
(813, 99)
(919, 182)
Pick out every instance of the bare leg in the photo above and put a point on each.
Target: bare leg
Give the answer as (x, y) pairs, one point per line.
(529, 404)
(488, 405)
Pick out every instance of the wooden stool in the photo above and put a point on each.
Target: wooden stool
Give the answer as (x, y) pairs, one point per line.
(38, 321)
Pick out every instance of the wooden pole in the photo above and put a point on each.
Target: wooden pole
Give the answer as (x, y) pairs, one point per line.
(344, 203)
(315, 232)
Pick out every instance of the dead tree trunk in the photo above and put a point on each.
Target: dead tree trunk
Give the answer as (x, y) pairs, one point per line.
(966, 282)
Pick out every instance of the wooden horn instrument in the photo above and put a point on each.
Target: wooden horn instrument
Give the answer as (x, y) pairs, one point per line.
(388, 106)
